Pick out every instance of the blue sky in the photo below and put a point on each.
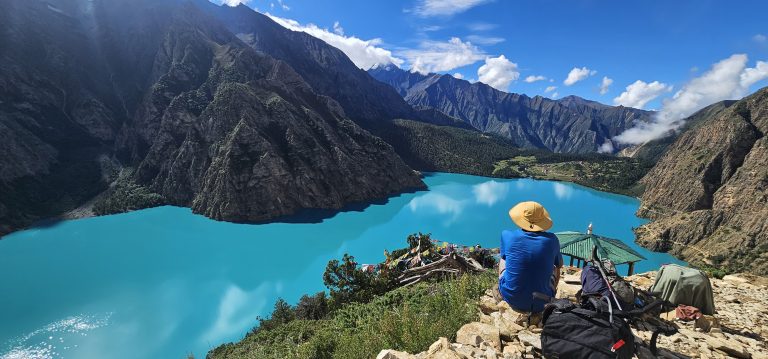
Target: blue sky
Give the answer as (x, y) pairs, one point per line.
(667, 45)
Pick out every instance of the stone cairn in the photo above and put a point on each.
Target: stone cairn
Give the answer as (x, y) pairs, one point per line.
(739, 329)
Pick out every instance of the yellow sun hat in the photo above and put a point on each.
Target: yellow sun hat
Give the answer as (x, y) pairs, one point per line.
(531, 216)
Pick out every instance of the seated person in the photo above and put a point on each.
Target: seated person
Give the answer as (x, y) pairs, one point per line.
(530, 260)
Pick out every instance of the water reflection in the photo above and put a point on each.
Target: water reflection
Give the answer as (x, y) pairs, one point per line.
(236, 312)
(431, 203)
(562, 191)
(490, 192)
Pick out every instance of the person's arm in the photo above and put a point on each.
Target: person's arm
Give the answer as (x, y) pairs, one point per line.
(502, 256)
(558, 265)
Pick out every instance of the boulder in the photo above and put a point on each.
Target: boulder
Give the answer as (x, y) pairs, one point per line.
(706, 323)
(476, 333)
(487, 304)
(529, 338)
(729, 347)
(503, 306)
(393, 354)
(505, 321)
(439, 345)
(565, 290)
(513, 351)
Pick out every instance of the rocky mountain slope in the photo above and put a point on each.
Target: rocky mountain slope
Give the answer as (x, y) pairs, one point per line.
(327, 69)
(735, 331)
(166, 88)
(708, 194)
(571, 124)
(652, 151)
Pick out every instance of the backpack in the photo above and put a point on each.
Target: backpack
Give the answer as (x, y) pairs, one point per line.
(592, 284)
(577, 332)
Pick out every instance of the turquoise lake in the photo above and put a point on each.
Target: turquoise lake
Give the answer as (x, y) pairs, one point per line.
(164, 283)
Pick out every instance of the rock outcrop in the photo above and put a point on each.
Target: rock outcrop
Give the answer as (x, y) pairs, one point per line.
(737, 330)
(167, 88)
(571, 124)
(708, 194)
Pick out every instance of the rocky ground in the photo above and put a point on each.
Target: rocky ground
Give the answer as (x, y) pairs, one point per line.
(739, 328)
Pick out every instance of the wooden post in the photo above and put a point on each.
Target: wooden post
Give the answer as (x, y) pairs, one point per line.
(571, 261)
(631, 268)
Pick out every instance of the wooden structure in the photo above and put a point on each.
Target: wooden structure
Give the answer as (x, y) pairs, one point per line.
(579, 247)
(451, 264)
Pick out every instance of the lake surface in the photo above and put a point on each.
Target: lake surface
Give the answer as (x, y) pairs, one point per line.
(163, 282)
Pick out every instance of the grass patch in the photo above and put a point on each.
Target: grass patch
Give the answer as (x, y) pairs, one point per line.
(408, 319)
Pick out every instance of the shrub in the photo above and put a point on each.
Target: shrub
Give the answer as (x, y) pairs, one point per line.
(282, 314)
(312, 307)
(348, 283)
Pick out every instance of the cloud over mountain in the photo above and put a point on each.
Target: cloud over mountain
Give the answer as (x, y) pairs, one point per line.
(639, 93)
(729, 78)
(578, 74)
(498, 72)
(364, 53)
(605, 84)
(434, 56)
(532, 78)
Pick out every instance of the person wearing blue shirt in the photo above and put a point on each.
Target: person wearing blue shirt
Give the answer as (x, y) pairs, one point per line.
(530, 261)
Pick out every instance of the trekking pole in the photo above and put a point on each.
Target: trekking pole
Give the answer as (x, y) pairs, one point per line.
(605, 277)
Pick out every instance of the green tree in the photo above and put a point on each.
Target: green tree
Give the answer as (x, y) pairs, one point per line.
(312, 307)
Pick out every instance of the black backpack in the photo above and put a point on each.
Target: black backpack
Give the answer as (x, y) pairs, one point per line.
(577, 332)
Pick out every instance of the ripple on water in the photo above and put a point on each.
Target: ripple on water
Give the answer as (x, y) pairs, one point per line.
(49, 341)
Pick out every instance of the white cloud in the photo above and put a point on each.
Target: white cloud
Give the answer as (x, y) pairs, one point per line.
(434, 56)
(427, 8)
(458, 75)
(431, 28)
(490, 192)
(578, 74)
(485, 40)
(760, 38)
(532, 78)
(605, 84)
(481, 26)
(337, 29)
(282, 5)
(606, 147)
(364, 53)
(727, 79)
(550, 89)
(498, 72)
(639, 93)
(554, 95)
(234, 3)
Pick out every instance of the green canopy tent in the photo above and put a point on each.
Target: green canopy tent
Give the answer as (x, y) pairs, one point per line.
(579, 246)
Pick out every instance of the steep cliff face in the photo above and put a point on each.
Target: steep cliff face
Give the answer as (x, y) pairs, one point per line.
(571, 124)
(708, 195)
(652, 151)
(163, 86)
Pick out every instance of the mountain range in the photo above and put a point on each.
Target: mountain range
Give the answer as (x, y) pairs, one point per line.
(571, 124)
(113, 105)
(166, 92)
(124, 104)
